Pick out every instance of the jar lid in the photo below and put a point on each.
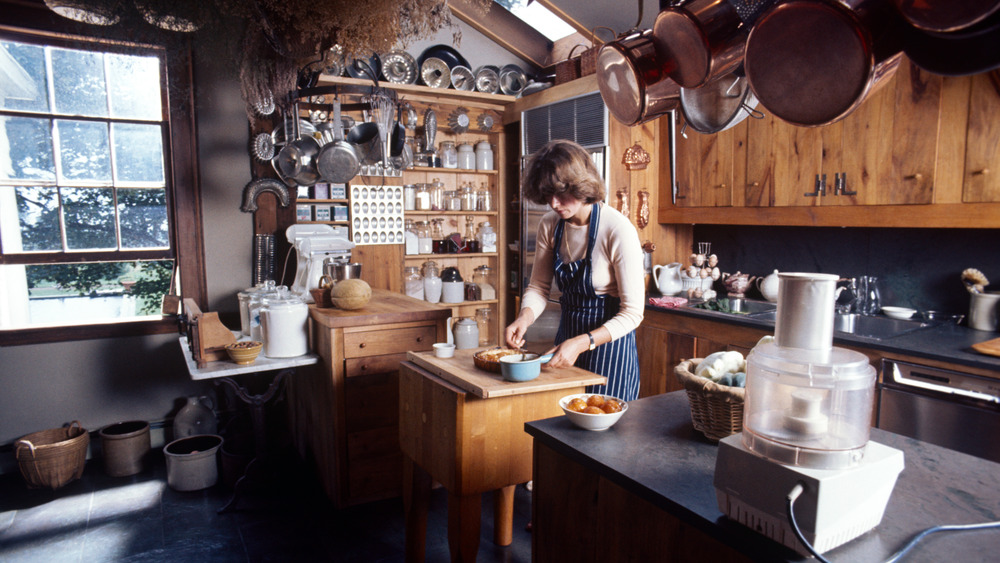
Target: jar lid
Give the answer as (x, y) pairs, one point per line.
(484, 268)
(412, 269)
(483, 145)
(451, 274)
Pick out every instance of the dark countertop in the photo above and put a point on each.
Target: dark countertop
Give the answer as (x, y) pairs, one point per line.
(655, 453)
(945, 342)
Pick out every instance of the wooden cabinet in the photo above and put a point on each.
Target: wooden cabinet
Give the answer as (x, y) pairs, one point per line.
(345, 414)
(384, 260)
(914, 154)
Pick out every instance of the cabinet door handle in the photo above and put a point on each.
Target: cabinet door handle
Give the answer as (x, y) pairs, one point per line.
(362, 345)
(754, 184)
(420, 339)
(918, 176)
(982, 172)
(721, 186)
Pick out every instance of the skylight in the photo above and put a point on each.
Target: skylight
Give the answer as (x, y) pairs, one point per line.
(539, 17)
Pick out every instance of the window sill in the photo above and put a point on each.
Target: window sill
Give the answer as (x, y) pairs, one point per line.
(19, 337)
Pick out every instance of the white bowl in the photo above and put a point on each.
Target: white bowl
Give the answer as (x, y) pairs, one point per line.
(902, 313)
(444, 350)
(591, 421)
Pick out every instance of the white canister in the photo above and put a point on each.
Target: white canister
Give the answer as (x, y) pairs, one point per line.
(984, 310)
(453, 292)
(463, 332)
(466, 157)
(284, 328)
(484, 156)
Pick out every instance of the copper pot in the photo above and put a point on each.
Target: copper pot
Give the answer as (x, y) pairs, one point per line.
(812, 62)
(633, 81)
(704, 39)
(946, 15)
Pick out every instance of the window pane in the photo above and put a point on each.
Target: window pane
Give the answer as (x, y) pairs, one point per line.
(138, 152)
(26, 149)
(78, 79)
(135, 87)
(142, 214)
(89, 214)
(24, 75)
(64, 294)
(38, 219)
(84, 150)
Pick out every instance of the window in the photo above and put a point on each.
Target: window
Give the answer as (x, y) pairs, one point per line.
(539, 17)
(87, 195)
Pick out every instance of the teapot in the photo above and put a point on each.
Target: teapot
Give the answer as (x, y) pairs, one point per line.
(737, 284)
(768, 286)
(668, 278)
(463, 332)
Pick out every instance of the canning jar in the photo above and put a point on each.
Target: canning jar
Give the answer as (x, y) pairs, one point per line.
(453, 202)
(468, 199)
(484, 318)
(432, 282)
(413, 282)
(409, 197)
(466, 157)
(424, 244)
(410, 238)
(449, 155)
(437, 194)
(483, 277)
(484, 156)
(484, 199)
(423, 197)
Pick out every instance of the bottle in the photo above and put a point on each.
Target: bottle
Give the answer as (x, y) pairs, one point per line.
(484, 156)
(437, 235)
(432, 282)
(195, 418)
(413, 282)
(466, 157)
(449, 155)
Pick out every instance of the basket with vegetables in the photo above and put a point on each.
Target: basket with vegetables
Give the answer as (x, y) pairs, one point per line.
(714, 387)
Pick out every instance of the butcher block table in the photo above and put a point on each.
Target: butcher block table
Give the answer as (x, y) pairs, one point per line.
(464, 428)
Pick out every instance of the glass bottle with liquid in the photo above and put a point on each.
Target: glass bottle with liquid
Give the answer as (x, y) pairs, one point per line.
(471, 242)
(437, 235)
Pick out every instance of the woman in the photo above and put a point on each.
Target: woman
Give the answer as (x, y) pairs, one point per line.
(593, 253)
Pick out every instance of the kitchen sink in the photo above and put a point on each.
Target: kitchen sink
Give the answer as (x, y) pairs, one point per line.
(740, 306)
(864, 326)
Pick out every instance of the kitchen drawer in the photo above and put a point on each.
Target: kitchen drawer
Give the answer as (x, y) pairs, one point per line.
(389, 341)
(373, 364)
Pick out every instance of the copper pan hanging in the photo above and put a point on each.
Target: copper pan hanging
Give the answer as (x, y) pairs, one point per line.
(633, 81)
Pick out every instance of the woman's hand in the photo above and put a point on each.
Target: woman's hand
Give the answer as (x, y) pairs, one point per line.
(565, 354)
(514, 334)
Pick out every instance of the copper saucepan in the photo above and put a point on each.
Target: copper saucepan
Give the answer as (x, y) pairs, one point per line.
(704, 39)
(812, 62)
(633, 81)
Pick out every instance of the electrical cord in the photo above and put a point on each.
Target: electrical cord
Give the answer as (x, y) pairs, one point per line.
(798, 489)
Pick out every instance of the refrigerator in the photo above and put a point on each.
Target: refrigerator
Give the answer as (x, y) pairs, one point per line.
(583, 119)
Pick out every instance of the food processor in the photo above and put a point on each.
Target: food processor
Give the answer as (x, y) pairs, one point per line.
(806, 424)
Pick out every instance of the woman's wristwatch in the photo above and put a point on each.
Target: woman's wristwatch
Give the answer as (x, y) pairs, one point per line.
(592, 343)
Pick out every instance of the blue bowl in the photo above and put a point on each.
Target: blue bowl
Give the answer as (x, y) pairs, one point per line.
(522, 367)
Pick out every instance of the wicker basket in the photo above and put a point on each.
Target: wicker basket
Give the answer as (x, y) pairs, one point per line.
(716, 410)
(588, 59)
(569, 69)
(53, 458)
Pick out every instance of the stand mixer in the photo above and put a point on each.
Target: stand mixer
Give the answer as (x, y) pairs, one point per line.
(313, 244)
(806, 423)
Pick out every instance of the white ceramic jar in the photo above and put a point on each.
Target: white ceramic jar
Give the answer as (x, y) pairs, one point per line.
(466, 157)
(484, 156)
(284, 327)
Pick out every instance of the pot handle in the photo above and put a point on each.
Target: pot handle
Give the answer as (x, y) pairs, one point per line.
(545, 359)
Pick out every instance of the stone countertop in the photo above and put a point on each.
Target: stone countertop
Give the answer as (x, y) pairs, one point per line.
(945, 342)
(655, 453)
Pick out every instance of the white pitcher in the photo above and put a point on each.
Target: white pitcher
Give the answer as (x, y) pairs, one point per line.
(463, 332)
(668, 278)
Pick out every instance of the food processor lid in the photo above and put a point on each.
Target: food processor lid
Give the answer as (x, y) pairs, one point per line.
(839, 368)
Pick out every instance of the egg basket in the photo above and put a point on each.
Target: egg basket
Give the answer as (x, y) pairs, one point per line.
(716, 410)
(52, 458)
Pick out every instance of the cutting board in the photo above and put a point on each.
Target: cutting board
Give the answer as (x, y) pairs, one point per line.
(461, 371)
(990, 347)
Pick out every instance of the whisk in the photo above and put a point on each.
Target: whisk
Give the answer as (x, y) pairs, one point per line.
(383, 108)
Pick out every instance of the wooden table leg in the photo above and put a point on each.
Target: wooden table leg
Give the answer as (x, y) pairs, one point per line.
(503, 515)
(416, 502)
(464, 514)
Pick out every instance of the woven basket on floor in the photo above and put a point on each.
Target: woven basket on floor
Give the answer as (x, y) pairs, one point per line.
(53, 458)
(716, 410)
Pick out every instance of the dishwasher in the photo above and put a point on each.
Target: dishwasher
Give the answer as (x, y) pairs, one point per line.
(955, 410)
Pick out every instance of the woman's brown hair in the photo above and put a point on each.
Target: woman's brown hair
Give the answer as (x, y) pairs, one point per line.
(562, 168)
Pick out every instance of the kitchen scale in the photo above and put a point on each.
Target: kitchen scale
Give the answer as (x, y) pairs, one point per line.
(313, 244)
(807, 420)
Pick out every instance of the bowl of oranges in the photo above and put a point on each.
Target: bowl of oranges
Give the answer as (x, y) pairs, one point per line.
(592, 411)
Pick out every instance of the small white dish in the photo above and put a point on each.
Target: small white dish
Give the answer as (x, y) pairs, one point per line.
(444, 350)
(901, 313)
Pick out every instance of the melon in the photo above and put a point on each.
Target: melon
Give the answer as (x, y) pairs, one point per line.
(350, 294)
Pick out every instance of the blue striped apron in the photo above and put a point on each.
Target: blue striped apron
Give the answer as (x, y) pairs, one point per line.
(583, 310)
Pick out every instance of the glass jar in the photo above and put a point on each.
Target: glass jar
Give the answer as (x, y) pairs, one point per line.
(424, 241)
(423, 197)
(484, 199)
(453, 202)
(413, 282)
(437, 235)
(432, 282)
(466, 157)
(449, 154)
(468, 199)
(484, 319)
(487, 237)
(437, 194)
(471, 242)
(484, 277)
(411, 239)
(484, 156)
(410, 197)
